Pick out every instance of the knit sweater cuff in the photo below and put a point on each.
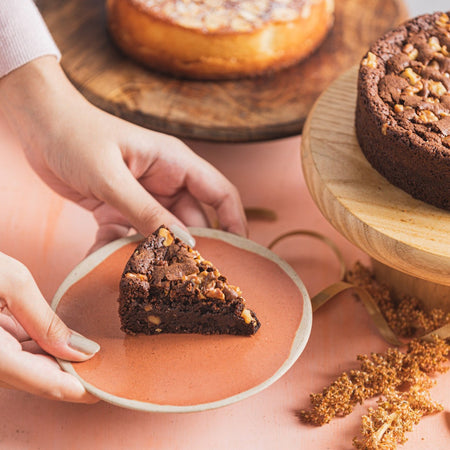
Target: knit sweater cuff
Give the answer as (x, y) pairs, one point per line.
(24, 35)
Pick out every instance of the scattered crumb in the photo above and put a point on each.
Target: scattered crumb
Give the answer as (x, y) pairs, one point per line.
(400, 378)
(397, 413)
(405, 316)
(378, 374)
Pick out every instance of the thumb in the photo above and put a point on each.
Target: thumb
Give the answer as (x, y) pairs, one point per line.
(141, 209)
(25, 301)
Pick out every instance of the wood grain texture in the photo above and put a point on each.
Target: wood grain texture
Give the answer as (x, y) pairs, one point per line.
(384, 221)
(264, 108)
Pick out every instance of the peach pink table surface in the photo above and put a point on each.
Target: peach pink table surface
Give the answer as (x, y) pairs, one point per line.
(51, 235)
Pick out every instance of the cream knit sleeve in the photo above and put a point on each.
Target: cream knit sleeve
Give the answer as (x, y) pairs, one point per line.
(23, 35)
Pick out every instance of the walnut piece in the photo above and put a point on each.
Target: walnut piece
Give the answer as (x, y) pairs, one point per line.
(412, 77)
(165, 233)
(370, 60)
(136, 276)
(247, 316)
(155, 320)
(427, 116)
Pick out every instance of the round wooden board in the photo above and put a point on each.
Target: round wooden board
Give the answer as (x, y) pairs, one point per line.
(245, 110)
(384, 221)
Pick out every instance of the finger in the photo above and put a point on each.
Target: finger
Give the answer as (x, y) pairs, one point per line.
(209, 186)
(20, 292)
(123, 192)
(205, 183)
(189, 210)
(40, 375)
(31, 346)
(10, 324)
(6, 385)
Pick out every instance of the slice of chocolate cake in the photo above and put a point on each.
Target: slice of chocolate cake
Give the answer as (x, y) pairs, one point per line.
(167, 287)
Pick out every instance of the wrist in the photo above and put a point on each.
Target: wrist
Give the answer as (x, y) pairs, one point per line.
(31, 95)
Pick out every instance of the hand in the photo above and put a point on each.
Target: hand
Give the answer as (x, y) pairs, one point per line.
(127, 175)
(28, 329)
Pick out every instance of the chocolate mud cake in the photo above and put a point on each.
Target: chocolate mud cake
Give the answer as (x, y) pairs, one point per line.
(215, 39)
(168, 287)
(403, 108)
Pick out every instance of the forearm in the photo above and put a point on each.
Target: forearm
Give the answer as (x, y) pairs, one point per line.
(28, 94)
(30, 75)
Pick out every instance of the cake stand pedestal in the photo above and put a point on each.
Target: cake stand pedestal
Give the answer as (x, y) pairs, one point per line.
(408, 240)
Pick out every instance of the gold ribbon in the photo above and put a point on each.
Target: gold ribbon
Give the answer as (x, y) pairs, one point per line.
(255, 213)
(341, 286)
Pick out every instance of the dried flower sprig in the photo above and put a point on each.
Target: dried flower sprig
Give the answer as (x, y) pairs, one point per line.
(386, 426)
(405, 316)
(378, 374)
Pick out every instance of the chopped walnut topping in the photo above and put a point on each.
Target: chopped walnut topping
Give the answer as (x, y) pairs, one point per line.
(247, 316)
(370, 60)
(422, 101)
(167, 235)
(411, 76)
(408, 48)
(411, 51)
(434, 65)
(427, 116)
(236, 289)
(436, 88)
(137, 276)
(434, 44)
(384, 128)
(155, 320)
(443, 20)
(411, 90)
(215, 293)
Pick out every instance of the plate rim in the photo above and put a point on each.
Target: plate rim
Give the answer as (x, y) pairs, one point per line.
(298, 344)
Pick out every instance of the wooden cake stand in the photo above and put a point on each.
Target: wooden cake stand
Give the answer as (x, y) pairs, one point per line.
(408, 240)
(243, 110)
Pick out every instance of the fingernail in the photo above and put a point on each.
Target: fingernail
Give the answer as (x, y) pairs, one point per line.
(83, 344)
(182, 234)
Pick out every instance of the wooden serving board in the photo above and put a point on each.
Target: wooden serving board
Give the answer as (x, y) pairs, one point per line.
(246, 110)
(395, 229)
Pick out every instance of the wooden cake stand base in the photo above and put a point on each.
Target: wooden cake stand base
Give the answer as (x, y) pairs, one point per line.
(408, 240)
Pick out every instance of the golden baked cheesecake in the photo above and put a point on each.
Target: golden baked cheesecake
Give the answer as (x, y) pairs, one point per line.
(219, 39)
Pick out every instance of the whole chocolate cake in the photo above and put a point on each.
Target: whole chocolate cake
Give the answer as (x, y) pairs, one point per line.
(167, 287)
(403, 108)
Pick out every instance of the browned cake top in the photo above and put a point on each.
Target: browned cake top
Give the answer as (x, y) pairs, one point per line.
(410, 71)
(227, 15)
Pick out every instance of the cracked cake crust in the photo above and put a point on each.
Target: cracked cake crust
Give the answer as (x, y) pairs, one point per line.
(403, 108)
